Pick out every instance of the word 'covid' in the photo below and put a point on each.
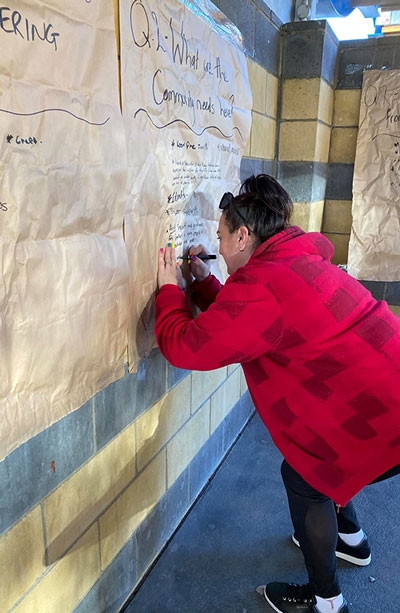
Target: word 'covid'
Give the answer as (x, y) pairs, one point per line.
(18, 140)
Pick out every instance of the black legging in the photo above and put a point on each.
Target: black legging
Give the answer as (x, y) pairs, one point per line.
(316, 524)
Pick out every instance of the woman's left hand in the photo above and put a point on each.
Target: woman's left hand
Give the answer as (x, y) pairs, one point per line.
(169, 271)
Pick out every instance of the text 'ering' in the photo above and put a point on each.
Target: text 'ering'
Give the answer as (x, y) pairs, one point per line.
(13, 22)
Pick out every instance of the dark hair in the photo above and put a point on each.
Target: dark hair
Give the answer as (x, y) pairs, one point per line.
(262, 205)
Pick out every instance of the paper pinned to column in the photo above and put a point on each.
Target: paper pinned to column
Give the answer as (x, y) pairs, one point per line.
(374, 248)
(63, 284)
(187, 110)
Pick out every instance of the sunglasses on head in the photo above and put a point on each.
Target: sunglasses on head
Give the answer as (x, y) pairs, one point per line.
(227, 200)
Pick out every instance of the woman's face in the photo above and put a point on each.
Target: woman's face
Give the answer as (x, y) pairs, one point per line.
(232, 246)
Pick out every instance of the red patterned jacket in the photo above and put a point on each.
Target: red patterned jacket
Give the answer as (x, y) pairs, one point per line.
(321, 357)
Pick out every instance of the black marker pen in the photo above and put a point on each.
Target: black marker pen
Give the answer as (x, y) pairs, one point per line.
(201, 257)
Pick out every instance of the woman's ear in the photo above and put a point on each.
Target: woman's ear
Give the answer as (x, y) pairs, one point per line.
(243, 238)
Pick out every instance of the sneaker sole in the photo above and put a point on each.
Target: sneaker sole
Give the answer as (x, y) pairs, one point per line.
(344, 556)
(352, 560)
(262, 591)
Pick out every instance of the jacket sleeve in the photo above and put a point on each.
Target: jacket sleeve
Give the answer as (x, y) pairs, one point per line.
(203, 293)
(243, 323)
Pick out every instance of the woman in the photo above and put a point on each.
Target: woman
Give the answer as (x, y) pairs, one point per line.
(321, 359)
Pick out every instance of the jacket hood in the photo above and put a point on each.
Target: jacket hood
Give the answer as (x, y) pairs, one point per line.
(294, 242)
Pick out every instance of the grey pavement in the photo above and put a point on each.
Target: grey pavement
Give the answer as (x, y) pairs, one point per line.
(237, 537)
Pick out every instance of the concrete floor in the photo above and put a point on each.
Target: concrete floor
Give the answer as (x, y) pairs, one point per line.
(238, 536)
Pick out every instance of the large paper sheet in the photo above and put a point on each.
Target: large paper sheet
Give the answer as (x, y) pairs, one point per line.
(374, 249)
(63, 283)
(186, 104)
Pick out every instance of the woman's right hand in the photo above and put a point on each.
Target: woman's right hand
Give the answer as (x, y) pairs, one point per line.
(199, 269)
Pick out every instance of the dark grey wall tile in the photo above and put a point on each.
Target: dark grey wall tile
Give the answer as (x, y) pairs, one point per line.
(396, 58)
(269, 12)
(175, 502)
(319, 182)
(353, 60)
(253, 166)
(310, 50)
(35, 468)
(121, 402)
(259, 26)
(329, 57)
(159, 525)
(151, 381)
(302, 49)
(384, 54)
(114, 408)
(174, 375)
(304, 181)
(236, 420)
(267, 43)
(250, 166)
(339, 184)
(297, 179)
(242, 15)
(114, 585)
(269, 167)
(377, 288)
(386, 41)
(206, 462)
(392, 292)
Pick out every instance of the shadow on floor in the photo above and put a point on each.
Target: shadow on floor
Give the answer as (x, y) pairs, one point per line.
(238, 536)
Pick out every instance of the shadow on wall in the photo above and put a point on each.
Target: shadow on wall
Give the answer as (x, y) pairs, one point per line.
(145, 337)
(120, 510)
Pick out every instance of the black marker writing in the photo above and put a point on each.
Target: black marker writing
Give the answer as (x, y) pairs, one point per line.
(31, 140)
(380, 95)
(159, 45)
(180, 51)
(3, 206)
(139, 23)
(162, 94)
(180, 48)
(198, 133)
(221, 74)
(391, 117)
(226, 111)
(176, 197)
(91, 123)
(12, 22)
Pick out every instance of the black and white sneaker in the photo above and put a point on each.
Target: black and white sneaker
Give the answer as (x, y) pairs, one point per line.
(360, 554)
(292, 598)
